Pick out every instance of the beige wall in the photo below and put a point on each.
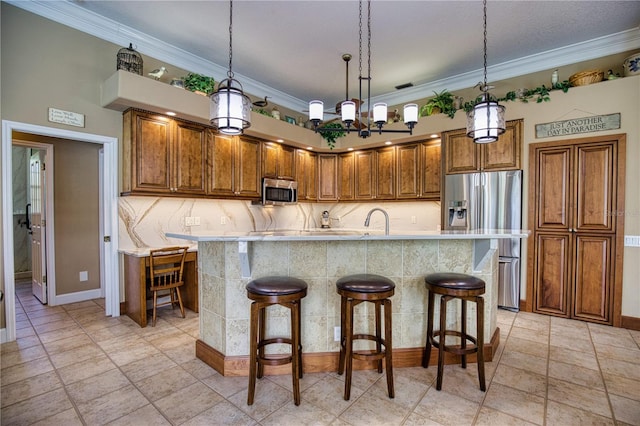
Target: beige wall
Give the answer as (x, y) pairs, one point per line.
(45, 64)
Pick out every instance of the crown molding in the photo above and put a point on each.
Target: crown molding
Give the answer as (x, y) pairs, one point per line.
(71, 15)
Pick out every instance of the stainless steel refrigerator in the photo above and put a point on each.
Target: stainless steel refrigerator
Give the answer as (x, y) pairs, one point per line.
(489, 200)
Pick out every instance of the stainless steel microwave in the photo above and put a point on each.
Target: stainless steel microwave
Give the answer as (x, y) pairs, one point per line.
(279, 192)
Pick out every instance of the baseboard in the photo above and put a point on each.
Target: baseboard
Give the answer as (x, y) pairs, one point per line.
(322, 362)
(22, 276)
(523, 305)
(79, 296)
(632, 323)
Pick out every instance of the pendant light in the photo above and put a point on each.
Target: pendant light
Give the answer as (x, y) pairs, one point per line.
(485, 122)
(230, 107)
(349, 108)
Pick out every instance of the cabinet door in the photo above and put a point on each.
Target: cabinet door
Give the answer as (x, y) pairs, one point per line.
(364, 178)
(328, 177)
(306, 175)
(504, 154)
(247, 176)
(286, 162)
(151, 165)
(552, 274)
(270, 152)
(346, 176)
(593, 277)
(554, 199)
(409, 168)
(431, 170)
(311, 172)
(462, 155)
(221, 165)
(595, 192)
(190, 159)
(385, 176)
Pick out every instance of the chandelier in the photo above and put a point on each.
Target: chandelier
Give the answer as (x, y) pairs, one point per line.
(485, 122)
(349, 108)
(230, 108)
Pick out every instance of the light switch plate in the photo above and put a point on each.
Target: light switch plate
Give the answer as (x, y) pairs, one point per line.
(632, 240)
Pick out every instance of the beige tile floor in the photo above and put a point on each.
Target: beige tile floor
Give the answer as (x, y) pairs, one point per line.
(72, 365)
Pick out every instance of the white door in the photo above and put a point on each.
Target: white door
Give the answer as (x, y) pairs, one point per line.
(37, 223)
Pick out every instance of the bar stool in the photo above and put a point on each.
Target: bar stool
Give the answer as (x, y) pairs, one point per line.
(450, 286)
(264, 292)
(355, 289)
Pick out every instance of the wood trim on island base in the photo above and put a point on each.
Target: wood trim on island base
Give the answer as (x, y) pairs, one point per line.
(320, 362)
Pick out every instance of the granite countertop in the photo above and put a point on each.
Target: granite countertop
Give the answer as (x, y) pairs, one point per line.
(350, 234)
(144, 251)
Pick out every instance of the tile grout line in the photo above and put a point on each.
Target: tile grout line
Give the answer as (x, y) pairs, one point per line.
(604, 382)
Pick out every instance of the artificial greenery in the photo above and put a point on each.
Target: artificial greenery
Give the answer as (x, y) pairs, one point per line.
(199, 83)
(443, 102)
(333, 135)
(262, 111)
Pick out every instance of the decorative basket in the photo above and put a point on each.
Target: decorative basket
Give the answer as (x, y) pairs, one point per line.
(584, 78)
(631, 65)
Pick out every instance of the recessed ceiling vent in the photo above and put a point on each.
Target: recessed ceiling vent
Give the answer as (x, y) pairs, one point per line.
(404, 86)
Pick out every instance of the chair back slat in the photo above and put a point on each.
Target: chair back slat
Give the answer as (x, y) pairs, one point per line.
(166, 266)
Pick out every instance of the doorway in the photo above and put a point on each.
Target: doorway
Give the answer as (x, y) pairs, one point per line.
(109, 271)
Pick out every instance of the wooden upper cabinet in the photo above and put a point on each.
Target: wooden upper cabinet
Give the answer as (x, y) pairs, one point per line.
(431, 170)
(327, 177)
(364, 175)
(162, 156)
(306, 175)
(190, 158)
(462, 155)
(346, 176)
(278, 161)
(385, 177)
(232, 163)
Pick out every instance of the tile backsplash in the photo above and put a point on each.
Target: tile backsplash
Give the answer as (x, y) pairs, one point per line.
(143, 221)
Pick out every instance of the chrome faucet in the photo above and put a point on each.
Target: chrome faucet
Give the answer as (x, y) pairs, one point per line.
(386, 219)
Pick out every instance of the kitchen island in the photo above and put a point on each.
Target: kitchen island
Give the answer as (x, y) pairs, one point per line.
(227, 262)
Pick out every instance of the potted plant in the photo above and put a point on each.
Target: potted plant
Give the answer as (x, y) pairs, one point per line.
(199, 83)
(333, 135)
(441, 103)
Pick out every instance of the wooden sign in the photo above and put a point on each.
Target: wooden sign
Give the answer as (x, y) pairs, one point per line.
(596, 123)
(66, 117)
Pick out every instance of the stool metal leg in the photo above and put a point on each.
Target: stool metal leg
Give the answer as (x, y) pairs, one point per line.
(480, 340)
(378, 307)
(296, 364)
(441, 340)
(426, 357)
(387, 347)
(253, 352)
(348, 348)
(343, 313)
(463, 331)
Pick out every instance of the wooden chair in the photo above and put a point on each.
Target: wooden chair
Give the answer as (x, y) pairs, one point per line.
(165, 271)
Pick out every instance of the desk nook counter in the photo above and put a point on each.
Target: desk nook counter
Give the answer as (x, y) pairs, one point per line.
(227, 262)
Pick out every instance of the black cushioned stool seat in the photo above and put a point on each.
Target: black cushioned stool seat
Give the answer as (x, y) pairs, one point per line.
(353, 290)
(264, 292)
(450, 286)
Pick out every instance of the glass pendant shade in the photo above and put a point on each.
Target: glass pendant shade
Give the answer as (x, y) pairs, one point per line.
(316, 110)
(485, 122)
(348, 111)
(380, 113)
(230, 109)
(410, 114)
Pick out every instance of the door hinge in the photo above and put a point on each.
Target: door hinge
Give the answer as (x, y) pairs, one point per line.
(107, 238)
(44, 279)
(43, 223)
(43, 166)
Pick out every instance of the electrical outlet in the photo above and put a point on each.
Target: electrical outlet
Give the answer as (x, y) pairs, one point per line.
(223, 220)
(414, 220)
(336, 333)
(196, 220)
(84, 275)
(188, 221)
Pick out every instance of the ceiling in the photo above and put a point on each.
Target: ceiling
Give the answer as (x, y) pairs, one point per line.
(291, 50)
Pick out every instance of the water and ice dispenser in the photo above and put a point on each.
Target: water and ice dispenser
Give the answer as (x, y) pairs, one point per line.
(458, 213)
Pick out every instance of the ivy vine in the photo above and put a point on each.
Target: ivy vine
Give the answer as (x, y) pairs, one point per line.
(539, 94)
(332, 135)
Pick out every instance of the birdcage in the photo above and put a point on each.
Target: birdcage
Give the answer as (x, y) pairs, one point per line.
(129, 60)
